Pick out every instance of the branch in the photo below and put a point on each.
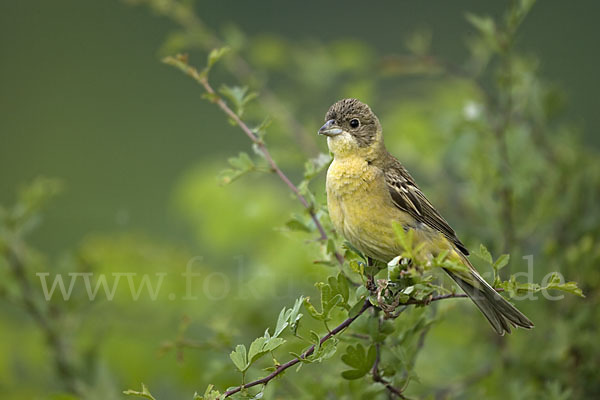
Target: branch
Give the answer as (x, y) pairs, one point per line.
(394, 391)
(181, 63)
(46, 322)
(183, 14)
(367, 304)
(424, 302)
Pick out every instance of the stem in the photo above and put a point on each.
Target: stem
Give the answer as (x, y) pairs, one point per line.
(183, 14)
(291, 363)
(181, 63)
(45, 321)
(393, 391)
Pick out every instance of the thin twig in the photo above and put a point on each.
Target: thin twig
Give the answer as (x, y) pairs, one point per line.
(425, 302)
(45, 321)
(183, 14)
(394, 391)
(181, 63)
(367, 304)
(283, 367)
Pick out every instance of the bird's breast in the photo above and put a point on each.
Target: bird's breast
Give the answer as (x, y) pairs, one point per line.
(360, 206)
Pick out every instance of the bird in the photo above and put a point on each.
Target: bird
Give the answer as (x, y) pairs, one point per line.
(369, 191)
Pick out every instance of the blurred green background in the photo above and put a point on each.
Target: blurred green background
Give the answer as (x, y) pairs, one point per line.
(85, 98)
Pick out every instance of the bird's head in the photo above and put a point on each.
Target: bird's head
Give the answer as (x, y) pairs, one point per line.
(352, 129)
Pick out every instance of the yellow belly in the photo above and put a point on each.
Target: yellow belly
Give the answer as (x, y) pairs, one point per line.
(361, 209)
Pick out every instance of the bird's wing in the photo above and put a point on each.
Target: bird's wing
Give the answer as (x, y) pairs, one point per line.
(408, 197)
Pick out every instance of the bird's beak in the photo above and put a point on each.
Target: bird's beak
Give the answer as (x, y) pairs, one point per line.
(330, 129)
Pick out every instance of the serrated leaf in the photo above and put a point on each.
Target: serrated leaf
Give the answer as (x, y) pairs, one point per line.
(360, 360)
(256, 349)
(262, 346)
(325, 350)
(339, 286)
(328, 300)
(484, 254)
(556, 283)
(242, 161)
(240, 358)
(238, 96)
(273, 344)
(282, 321)
(241, 164)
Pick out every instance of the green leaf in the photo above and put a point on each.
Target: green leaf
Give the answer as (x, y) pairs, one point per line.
(484, 254)
(262, 346)
(325, 350)
(295, 315)
(261, 130)
(356, 307)
(273, 344)
(256, 349)
(215, 55)
(360, 360)
(238, 96)
(209, 394)
(322, 351)
(314, 166)
(144, 393)
(282, 321)
(353, 374)
(357, 267)
(339, 286)
(242, 164)
(240, 358)
(296, 225)
(312, 310)
(501, 262)
(556, 282)
(330, 298)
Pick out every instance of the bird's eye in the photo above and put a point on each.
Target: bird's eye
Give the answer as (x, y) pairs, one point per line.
(354, 123)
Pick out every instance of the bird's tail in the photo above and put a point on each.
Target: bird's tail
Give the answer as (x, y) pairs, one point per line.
(494, 307)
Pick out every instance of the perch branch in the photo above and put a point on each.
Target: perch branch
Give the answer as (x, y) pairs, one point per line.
(307, 353)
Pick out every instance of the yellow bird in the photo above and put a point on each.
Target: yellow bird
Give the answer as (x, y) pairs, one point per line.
(368, 191)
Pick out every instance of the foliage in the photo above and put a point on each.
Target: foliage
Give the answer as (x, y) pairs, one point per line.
(495, 155)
